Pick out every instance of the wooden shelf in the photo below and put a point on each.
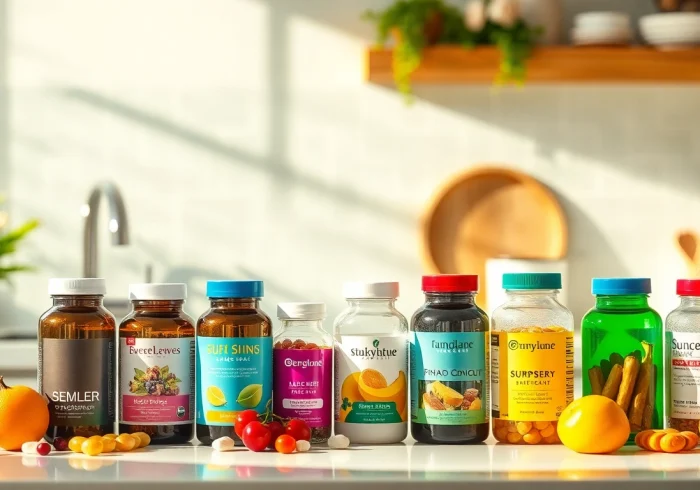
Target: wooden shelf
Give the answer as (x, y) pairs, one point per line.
(564, 64)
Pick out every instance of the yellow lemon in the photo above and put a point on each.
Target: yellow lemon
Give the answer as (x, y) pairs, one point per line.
(215, 396)
(593, 424)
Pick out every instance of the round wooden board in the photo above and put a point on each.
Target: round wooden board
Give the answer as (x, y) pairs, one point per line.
(491, 212)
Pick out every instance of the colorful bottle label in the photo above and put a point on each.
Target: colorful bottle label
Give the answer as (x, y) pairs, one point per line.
(370, 379)
(77, 376)
(532, 375)
(448, 378)
(156, 381)
(233, 374)
(683, 357)
(303, 385)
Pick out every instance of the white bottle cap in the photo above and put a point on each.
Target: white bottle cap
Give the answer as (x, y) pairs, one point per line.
(158, 291)
(301, 311)
(369, 290)
(82, 286)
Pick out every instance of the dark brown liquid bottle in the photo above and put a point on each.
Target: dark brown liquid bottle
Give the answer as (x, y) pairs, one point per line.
(156, 365)
(234, 358)
(77, 359)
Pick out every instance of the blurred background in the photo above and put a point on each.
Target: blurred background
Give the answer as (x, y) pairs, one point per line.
(246, 143)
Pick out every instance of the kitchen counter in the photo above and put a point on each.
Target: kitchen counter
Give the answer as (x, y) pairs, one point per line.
(405, 466)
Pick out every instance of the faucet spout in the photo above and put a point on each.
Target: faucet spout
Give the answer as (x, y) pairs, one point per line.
(118, 224)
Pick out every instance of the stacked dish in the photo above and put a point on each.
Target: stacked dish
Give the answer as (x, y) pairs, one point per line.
(601, 28)
(671, 30)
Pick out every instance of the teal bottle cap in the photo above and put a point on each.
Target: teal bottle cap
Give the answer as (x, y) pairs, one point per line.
(532, 280)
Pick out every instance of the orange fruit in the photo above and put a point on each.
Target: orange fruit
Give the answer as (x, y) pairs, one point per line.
(593, 424)
(24, 416)
(373, 379)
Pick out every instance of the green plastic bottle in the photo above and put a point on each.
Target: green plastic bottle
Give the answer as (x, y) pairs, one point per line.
(623, 352)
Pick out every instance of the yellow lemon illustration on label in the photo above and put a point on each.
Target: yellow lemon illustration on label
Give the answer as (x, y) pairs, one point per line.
(215, 396)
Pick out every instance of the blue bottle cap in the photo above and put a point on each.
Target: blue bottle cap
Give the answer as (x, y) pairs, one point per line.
(532, 280)
(619, 286)
(235, 289)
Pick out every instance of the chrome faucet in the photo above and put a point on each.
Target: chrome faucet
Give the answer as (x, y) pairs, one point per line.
(118, 224)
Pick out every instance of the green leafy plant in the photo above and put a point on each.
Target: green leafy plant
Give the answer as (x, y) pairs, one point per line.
(416, 24)
(8, 246)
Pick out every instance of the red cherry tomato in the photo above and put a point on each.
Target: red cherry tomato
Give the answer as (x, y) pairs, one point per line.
(43, 448)
(285, 444)
(256, 436)
(242, 419)
(276, 430)
(298, 430)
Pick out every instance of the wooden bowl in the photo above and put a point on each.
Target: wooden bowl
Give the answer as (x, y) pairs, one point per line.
(491, 212)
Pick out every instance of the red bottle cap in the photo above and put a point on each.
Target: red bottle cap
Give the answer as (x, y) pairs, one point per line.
(451, 283)
(688, 287)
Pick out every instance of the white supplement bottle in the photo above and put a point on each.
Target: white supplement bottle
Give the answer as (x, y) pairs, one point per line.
(371, 365)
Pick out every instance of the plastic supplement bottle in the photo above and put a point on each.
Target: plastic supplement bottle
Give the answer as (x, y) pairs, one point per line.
(77, 359)
(156, 365)
(683, 359)
(621, 343)
(371, 362)
(303, 368)
(234, 358)
(449, 370)
(532, 360)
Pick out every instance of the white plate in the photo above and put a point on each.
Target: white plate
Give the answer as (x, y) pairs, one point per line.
(617, 32)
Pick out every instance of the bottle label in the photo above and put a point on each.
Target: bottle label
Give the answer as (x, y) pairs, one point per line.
(448, 378)
(684, 382)
(532, 375)
(304, 385)
(370, 379)
(77, 376)
(156, 379)
(233, 374)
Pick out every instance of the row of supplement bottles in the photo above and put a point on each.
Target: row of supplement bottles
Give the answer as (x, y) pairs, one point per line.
(77, 354)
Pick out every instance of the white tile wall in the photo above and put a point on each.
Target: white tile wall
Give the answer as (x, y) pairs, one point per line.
(247, 145)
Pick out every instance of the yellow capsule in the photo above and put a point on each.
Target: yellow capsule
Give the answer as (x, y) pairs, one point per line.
(76, 443)
(523, 427)
(125, 443)
(533, 437)
(548, 431)
(541, 425)
(108, 445)
(514, 437)
(110, 436)
(92, 447)
(145, 438)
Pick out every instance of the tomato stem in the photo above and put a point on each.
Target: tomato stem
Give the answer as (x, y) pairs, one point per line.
(3, 386)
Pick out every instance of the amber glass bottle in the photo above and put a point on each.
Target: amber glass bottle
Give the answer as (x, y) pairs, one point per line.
(234, 358)
(156, 365)
(76, 359)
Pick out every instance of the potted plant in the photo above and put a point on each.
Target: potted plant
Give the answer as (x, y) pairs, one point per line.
(416, 24)
(8, 245)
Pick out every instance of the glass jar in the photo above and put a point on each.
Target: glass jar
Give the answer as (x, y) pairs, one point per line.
(371, 362)
(449, 373)
(77, 359)
(156, 365)
(303, 368)
(532, 360)
(234, 358)
(683, 359)
(621, 342)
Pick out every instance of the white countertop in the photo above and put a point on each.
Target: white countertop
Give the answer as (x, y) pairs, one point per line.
(405, 466)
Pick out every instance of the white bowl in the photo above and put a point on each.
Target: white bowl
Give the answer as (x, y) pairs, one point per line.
(588, 36)
(671, 29)
(602, 19)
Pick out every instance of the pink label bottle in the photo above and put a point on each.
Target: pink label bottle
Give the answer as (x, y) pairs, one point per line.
(303, 368)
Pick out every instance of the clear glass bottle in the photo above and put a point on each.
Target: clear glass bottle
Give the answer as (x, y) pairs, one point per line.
(303, 368)
(234, 358)
(448, 358)
(532, 360)
(371, 362)
(77, 359)
(622, 354)
(156, 365)
(683, 359)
